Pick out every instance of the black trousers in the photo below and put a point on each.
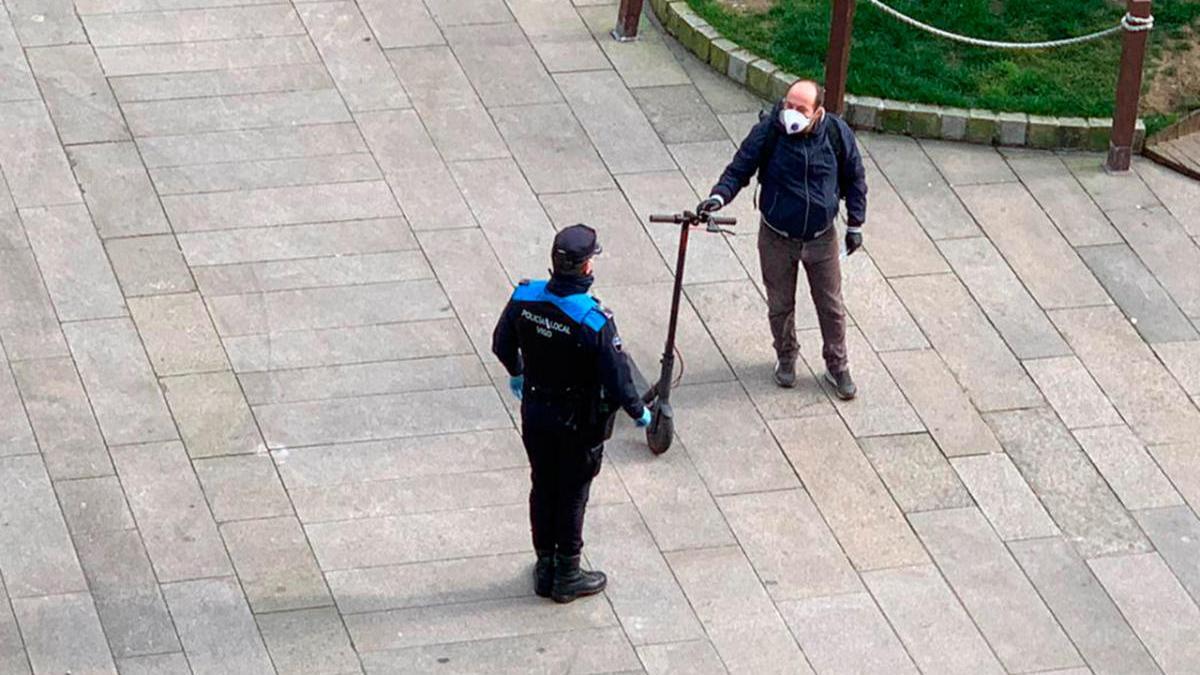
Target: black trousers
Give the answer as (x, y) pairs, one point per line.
(562, 466)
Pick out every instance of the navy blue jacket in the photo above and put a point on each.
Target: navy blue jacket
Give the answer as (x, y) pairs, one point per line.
(566, 345)
(803, 180)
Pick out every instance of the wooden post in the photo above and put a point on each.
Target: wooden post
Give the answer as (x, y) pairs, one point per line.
(629, 14)
(1129, 88)
(837, 59)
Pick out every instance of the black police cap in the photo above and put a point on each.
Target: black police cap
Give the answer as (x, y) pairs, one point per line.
(576, 243)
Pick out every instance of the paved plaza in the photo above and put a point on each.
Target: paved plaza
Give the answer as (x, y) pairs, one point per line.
(251, 254)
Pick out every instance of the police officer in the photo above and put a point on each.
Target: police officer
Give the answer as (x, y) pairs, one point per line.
(562, 351)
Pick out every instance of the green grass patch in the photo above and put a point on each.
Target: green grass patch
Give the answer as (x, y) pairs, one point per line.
(892, 60)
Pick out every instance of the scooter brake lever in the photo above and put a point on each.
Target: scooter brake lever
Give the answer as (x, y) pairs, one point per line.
(713, 227)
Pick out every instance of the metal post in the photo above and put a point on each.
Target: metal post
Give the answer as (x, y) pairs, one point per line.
(837, 59)
(1129, 88)
(629, 14)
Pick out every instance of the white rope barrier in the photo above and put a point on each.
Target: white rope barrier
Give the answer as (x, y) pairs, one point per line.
(1128, 23)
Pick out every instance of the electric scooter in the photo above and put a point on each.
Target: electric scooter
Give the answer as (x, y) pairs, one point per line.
(661, 431)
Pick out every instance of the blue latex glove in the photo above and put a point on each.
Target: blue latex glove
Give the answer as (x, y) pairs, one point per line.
(644, 420)
(517, 385)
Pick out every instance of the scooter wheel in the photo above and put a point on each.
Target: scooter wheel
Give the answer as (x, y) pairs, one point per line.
(660, 433)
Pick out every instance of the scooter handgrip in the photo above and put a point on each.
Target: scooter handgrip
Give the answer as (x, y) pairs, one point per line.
(664, 219)
(722, 220)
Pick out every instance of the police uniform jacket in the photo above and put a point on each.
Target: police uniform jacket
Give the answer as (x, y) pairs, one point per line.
(566, 345)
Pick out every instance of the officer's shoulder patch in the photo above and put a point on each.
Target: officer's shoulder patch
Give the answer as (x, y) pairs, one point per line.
(616, 342)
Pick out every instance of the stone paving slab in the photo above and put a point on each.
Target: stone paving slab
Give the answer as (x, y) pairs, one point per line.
(616, 126)
(1064, 199)
(1156, 605)
(1072, 392)
(1174, 532)
(915, 472)
(16, 435)
(645, 596)
(591, 650)
(1125, 368)
(355, 62)
(744, 626)
(1161, 242)
(63, 634)
(62, 419)
(251, 257)
(307, 640)
(1127, 467)
(1178, 461)
(216, 627)
(1175, 191)
(1004, 497)
(886, 411)
(46, 23)
(119, 195)
(838, 631)
(929, 620)
(921, 186)
(732, 455)
(226, 82)
(1000, 599)
(36, 555)
(941, 403)
(962, 164)
(168, 505)
(212, 55)
(697, 656)
(1000, 293)
(901, 247)
(80, 280)
(163, 27)
(77, 94)
(877, 311)
(1183, 360)
(122, 583)
(1074, 493)
(850, 494)
(789, 545)
(94, 505)
(401, 24)
(1082, 606)
(242, 487)
(1036, 251)
(35, 166)
(967, 342)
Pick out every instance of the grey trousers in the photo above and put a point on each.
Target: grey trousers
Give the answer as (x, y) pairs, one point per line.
(780, 258)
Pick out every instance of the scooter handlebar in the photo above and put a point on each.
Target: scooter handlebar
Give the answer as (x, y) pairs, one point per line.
(689, 217)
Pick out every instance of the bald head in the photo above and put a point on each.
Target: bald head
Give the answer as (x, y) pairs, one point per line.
(805, 96)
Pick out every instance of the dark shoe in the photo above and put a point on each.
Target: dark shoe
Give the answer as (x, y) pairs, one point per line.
(785, 374)
(843, 384)
(571, 582)
(543, 574)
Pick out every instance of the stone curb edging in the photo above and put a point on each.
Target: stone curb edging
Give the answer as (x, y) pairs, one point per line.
(769, 81)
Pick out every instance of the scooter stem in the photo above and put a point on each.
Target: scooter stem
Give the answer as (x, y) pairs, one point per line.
(668, 360)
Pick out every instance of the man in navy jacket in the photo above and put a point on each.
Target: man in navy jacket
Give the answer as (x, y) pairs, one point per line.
(807, 161)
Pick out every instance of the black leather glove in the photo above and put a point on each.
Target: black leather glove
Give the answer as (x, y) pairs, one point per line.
(709, 205)
(853, 240)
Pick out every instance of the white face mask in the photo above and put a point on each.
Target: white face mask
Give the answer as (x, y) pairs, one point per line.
(794, 121)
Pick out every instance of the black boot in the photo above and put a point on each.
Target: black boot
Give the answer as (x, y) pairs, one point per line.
(543, 574)
(571, 582)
